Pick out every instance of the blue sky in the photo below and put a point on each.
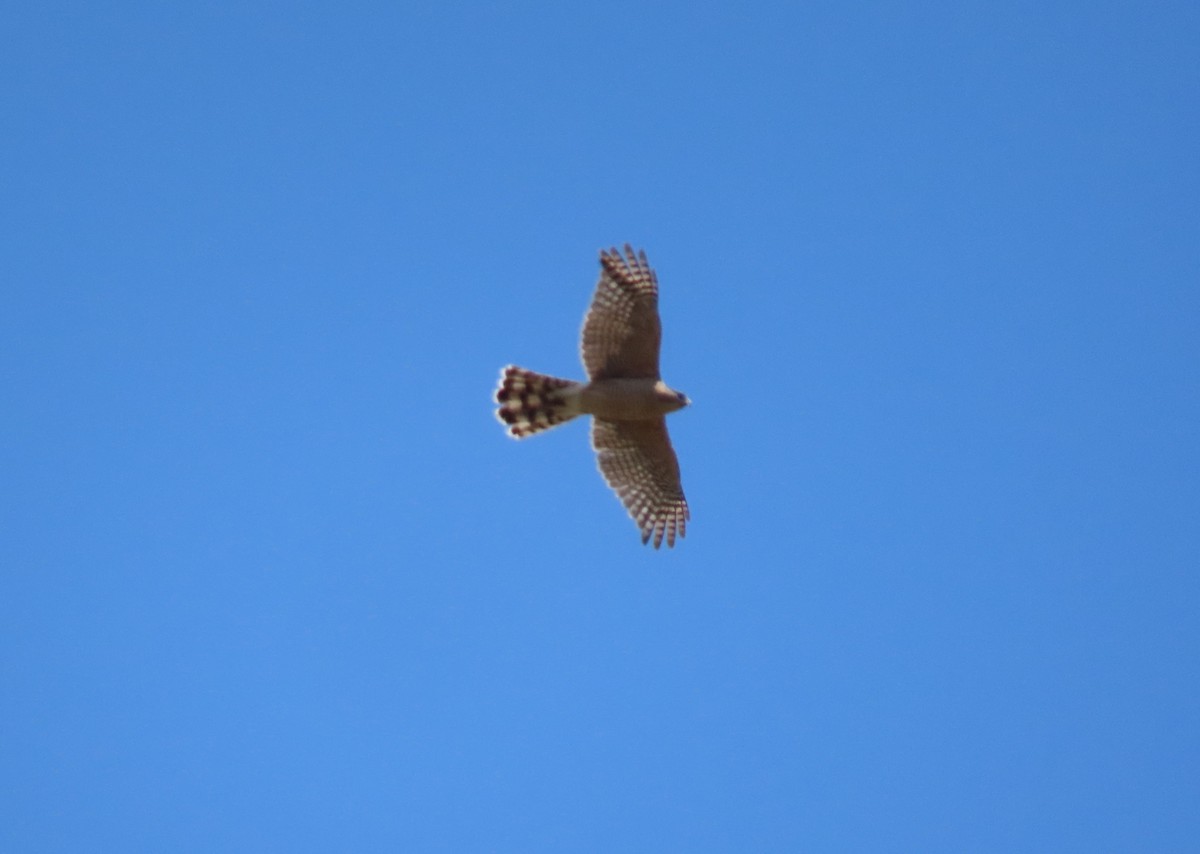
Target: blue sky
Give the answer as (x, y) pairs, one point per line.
(273, 579)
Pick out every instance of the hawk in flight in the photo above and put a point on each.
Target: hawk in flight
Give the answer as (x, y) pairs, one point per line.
(624, 394)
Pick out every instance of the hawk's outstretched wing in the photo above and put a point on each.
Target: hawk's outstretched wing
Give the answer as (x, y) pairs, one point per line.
(621, 332)
(637, 460)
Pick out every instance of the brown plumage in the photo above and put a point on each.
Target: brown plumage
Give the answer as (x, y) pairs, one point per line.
(625, 396)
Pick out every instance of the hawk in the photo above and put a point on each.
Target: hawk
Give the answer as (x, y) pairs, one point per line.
(624, 394)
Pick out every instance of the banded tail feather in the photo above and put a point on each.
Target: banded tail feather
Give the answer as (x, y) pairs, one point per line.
(531, 402)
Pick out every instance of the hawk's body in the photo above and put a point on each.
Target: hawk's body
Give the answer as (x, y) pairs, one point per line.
(625, 396)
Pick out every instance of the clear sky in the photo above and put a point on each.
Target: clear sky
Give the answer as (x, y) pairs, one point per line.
(272, 578)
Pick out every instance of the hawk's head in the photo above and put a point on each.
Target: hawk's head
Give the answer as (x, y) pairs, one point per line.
(671, 399)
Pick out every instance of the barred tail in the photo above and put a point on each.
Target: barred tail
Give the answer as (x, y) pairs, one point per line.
(530, 402)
